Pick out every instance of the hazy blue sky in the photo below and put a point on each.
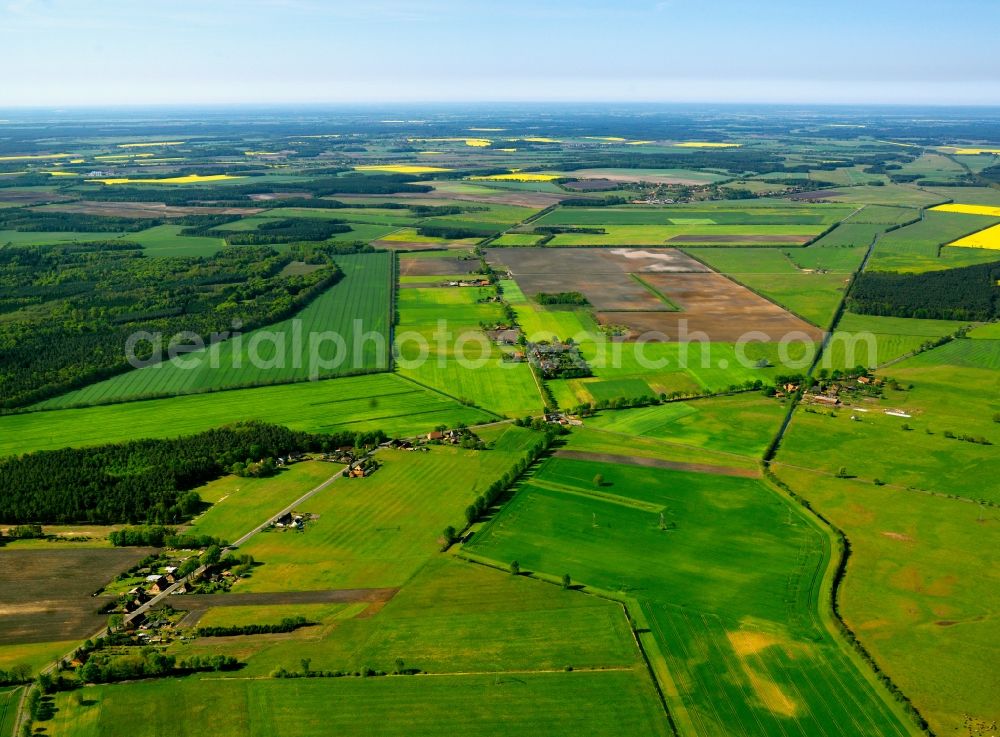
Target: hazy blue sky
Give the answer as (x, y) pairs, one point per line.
(71, 52)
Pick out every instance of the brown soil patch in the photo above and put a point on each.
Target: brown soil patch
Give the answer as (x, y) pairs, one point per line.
(144, 209)
(591, 185)
(436, 266)
(748, 473)
(710, 304)
(602, 275)
(713, 306)
(819, 194)
(48, 594)
(796, 239)
(897, 536)
(30, 197)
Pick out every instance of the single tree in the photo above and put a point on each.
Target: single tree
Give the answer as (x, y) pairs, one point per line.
(515, 568)
(566, 581)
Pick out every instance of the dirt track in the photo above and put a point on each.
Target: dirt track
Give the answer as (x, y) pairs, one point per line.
(746, 473)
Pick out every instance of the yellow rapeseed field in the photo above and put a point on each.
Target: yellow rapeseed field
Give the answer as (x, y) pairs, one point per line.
(57, 173)
(969, 209)
(32, 157)
(975, 151)
(518, 177)
(609, 139)
(146, 144)
(706, 144)
(478, 142)
(401, 168)
(76, 161)
(640, 143)
(189, 179)
(989, 238)
(539, 139)
(260, 153)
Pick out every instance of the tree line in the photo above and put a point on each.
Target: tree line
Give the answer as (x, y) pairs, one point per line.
(143, 481)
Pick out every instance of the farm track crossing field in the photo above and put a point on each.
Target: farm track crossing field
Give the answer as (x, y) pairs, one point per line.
(730, 592)
(380, 401)
(355, 306)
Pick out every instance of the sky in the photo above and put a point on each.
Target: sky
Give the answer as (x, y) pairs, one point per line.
(138, 52)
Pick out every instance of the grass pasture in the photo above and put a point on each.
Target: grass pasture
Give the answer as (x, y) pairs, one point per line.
(378, 401)
(920, 590)
(240, 504)
(378, 531)
(955, 390)
(742, 424)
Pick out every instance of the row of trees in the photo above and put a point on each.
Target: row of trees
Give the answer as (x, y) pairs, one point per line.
(148, 663)
(287, 624)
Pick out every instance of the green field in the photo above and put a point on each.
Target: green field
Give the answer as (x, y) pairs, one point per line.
(283, 352)
(955, 390)
(240, 504)
(464, 365)
(548, 703)
(872, 341)
(920, 591)
(380, 401)
(378, 531)
(450, 617)
(730, 592)
(743, 424)
(9, 700)
(689, 235)
(166, 240)
(919, 247)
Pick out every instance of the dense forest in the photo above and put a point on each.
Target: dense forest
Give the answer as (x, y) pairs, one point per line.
(143, 480)
(967, 293)
(289, 230)
(34, 221)
(68, 310)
